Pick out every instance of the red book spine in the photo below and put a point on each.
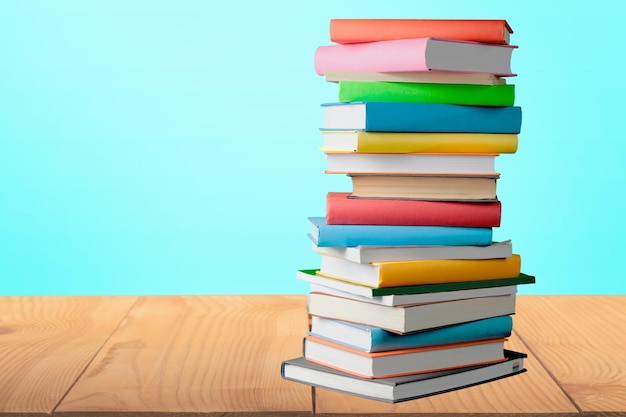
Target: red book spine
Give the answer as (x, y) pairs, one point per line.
(345, 31)
(340, 209)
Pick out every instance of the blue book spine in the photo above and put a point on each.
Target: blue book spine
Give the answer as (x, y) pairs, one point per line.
(382, 235)
(426, 117)
(435, 117)
(490, 328)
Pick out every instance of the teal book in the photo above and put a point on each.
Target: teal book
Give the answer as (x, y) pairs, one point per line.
(374, 339)
(380, 116)
(341, 235)
(462, 94)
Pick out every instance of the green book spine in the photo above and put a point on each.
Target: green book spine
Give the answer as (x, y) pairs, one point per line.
(463, 94)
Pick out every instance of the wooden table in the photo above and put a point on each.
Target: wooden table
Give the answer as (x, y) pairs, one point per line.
(221, 355)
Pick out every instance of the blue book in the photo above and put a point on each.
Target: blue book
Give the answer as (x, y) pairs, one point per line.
(374, 339)
(374, 116)
(342, 235)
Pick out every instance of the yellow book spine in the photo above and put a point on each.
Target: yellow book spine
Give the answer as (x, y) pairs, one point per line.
(385, 142)
(399, 274)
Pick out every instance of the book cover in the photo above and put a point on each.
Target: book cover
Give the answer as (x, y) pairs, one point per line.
(375, 116)
(418, 142)
(345, 31)
(425, 187)
(463, 94)
(429, 271)
(324, 234)
(399, 389)
(418, 54)
(410, 163)
(340, 209)
(315, 276)
(375, 339)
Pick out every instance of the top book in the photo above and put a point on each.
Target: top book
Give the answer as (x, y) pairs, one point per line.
(344, 31)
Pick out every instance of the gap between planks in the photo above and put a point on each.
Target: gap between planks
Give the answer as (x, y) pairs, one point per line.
(96, 352)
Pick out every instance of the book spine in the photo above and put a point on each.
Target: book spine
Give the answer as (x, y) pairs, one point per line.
(345, 31)
(461, 94)
(397, 274)
(378, 163)
(430, 117)
(521, 279)
(369, 255)
(384, 142)
(356, 235)
(490, 328)
(438, 77)
(340, 209)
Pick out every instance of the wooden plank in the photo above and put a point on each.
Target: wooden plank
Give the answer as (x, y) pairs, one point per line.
(533, 392)
(581, 341)
(201, 354)
(46, 343)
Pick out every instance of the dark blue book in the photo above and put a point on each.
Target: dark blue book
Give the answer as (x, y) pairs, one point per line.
(374, 116)
(341, 235)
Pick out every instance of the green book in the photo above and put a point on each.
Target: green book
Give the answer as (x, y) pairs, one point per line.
(463, 94)
(425, 288)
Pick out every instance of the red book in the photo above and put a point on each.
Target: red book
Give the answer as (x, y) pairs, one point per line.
(341, 209)
(372, 30)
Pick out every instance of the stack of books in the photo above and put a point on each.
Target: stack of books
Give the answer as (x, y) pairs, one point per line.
(413, 297)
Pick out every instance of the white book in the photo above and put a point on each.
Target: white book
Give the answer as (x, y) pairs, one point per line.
(408, 299)
(397, 389)
(369, 254)
(416, 77)
(410, 318)
(414, 163)
(402, 362)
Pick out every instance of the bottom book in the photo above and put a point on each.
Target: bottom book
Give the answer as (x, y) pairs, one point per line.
(404, 388)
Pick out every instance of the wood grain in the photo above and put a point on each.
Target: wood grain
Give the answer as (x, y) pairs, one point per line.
(581, 341)
(47, 342)
(201, 354)
(533, 392)
(220, 355)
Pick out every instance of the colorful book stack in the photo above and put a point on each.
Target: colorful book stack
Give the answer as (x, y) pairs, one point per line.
(413, 298)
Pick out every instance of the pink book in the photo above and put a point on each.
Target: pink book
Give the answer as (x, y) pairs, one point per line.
(416, 55)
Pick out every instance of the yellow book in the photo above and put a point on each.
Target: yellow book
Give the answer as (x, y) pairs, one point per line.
(391, 142)
(401, 274)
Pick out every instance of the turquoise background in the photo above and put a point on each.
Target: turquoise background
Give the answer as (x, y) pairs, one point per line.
(170, 147)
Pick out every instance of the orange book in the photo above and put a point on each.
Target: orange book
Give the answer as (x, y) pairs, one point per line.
(420, 272)
(344, 31)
